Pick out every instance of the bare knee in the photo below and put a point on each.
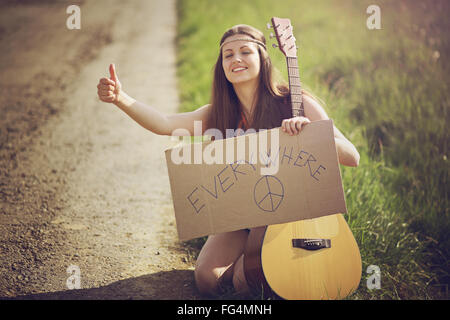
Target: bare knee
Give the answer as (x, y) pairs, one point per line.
(214, 267)
(207, 280)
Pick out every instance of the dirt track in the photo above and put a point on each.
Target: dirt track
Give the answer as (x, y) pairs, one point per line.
(81, 183)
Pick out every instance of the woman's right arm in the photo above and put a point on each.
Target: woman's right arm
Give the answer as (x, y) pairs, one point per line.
(110, 90)
(158, 122)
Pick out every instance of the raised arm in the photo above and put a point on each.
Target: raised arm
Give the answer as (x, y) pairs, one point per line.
(110, 90)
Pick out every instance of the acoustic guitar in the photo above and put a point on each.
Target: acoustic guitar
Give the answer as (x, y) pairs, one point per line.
(310, 259)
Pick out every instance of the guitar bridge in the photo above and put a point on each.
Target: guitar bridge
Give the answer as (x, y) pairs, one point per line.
(311, 244)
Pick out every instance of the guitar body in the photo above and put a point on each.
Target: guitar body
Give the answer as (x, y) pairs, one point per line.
(275, 267)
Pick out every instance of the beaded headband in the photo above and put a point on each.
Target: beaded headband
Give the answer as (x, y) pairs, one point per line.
(244, 39)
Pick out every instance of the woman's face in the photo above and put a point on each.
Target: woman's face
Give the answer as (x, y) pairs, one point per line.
(240, 60)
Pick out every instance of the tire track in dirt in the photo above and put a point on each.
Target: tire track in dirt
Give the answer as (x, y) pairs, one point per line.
(98, 194)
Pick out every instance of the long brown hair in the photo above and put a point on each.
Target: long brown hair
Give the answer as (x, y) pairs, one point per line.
(270, 96)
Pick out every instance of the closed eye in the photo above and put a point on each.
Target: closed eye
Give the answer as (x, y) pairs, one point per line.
(230, 55)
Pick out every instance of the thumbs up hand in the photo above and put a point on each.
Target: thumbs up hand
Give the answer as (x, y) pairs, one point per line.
(109, 89)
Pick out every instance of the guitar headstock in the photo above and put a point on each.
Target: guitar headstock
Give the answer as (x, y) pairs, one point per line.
(285, 36)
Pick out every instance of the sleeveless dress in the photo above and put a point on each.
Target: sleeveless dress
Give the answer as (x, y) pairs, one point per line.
(285, 112)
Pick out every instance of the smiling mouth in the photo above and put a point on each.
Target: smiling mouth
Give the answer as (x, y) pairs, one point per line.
(239, 69)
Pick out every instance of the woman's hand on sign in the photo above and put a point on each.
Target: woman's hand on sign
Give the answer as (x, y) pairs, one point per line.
(109, 88)
(294, 125)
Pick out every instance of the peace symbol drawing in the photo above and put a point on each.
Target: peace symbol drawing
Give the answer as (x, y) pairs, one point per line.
(268, 193)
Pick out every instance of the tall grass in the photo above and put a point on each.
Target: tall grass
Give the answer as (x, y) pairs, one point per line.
(388, 93)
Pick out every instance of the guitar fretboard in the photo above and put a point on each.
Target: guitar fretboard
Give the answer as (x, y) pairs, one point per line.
(295, 87)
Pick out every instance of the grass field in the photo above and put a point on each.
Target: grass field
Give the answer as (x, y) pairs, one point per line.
(388, 91)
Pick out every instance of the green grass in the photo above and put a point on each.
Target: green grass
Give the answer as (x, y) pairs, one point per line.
(387, 92)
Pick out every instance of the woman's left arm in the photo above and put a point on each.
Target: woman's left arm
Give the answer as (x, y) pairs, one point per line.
(347, 153)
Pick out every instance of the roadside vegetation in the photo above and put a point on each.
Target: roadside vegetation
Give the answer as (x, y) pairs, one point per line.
(388, 91)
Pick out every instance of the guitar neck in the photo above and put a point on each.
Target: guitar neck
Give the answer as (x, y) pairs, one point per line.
(295, 87)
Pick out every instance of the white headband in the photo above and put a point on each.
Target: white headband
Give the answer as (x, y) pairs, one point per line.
(244, 39)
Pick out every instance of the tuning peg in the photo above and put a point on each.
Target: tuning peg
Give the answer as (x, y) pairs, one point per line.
(272, 35)
(269, 25)
(274, 45)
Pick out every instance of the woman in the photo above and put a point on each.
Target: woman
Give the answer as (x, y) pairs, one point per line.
(244, 95)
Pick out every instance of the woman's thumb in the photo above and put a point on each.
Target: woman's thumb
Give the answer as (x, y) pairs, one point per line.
(112, 72)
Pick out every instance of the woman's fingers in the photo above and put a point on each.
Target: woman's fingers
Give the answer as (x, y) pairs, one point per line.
(294, 125)
(283, 125)
(105, 92)
(107, 98)
(289, 126)
(293, 130)
(300, 123)
(109, 87)
(107, 81)
(286, 126)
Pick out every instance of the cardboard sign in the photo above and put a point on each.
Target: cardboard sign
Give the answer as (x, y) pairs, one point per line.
(254, 180)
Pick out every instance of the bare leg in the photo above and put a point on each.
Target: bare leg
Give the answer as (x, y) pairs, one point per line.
(215, 262)
(239, 281)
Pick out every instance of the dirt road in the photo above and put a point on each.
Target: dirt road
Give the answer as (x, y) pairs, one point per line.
(81, 183)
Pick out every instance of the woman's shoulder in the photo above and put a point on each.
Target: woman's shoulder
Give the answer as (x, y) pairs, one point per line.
(205, 107)
(203, 111)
